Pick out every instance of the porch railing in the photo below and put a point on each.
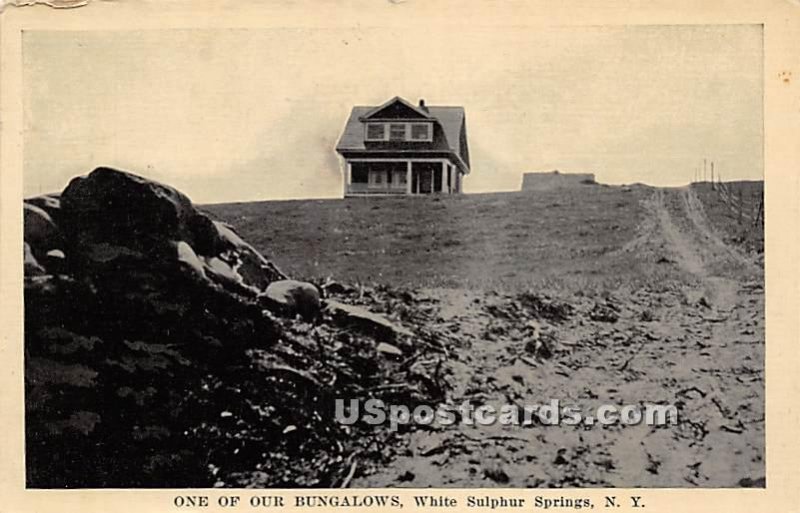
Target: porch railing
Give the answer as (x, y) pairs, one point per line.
(364, 188)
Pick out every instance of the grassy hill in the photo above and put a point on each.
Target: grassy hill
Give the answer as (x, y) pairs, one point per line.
(571, 239)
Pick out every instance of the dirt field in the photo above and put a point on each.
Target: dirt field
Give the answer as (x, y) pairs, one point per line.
(664, 308)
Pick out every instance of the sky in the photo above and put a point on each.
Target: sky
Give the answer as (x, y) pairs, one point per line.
(254, 114)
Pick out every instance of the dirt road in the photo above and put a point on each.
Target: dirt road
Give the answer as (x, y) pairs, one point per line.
(696, 343)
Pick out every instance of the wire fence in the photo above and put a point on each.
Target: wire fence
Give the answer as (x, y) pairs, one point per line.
(747, 206)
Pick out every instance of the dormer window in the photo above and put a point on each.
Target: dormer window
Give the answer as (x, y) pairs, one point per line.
(399, 131)
(375, 131)
(420, 132)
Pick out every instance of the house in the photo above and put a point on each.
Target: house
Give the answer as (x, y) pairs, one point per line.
(401, 148)
(554, 180)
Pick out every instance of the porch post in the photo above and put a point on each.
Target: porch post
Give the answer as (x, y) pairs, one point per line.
(408, 177)
(444, 176)
(450, 172)
(348, 176)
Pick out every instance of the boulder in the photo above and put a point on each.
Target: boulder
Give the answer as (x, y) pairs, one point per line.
(50, 203)
(293, 297)
(102, 252)
(362, 319)
(228, 235)
(189, 259)
(227, 276)
(222, 270)
(123, 209)
(31, 265)
(54, 261)
(253, 268)
(40, 231)
(111, 218)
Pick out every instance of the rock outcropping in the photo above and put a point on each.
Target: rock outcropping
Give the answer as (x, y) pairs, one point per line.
(163, 350)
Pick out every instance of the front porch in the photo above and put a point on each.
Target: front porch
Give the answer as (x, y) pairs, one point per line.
(400, 177)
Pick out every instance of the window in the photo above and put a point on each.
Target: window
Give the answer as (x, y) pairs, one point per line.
(375, 131)
(420, 132)
(397, 132)
(358, 173)
(400, 177)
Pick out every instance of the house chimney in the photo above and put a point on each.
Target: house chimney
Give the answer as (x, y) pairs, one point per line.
(422, 104)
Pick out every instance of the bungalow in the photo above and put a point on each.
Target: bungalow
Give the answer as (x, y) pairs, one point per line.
(400, 148)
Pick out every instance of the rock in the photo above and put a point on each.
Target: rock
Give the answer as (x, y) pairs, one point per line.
(102, 253)
(364, 320)
(226, 275)
(123, 209)
(136, 349)
(133, 348)
(604, 313)
(541, 347)
(54, 261)
(496, 474)
(31, 265)
(406, 476)
(222, 270)
(50, 203)
(334, 287)
(189, 258)
(544, 307)
(293, 297)
(535, 328)
(227, 233)
(254, 270)
(389, 350)
(110, 215)
(40, 231)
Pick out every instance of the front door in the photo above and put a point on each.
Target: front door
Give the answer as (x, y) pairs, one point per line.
(423, 174)
(425, 181)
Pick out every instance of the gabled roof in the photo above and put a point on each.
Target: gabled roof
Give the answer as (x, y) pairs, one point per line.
(449, 132)
(375, 113)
